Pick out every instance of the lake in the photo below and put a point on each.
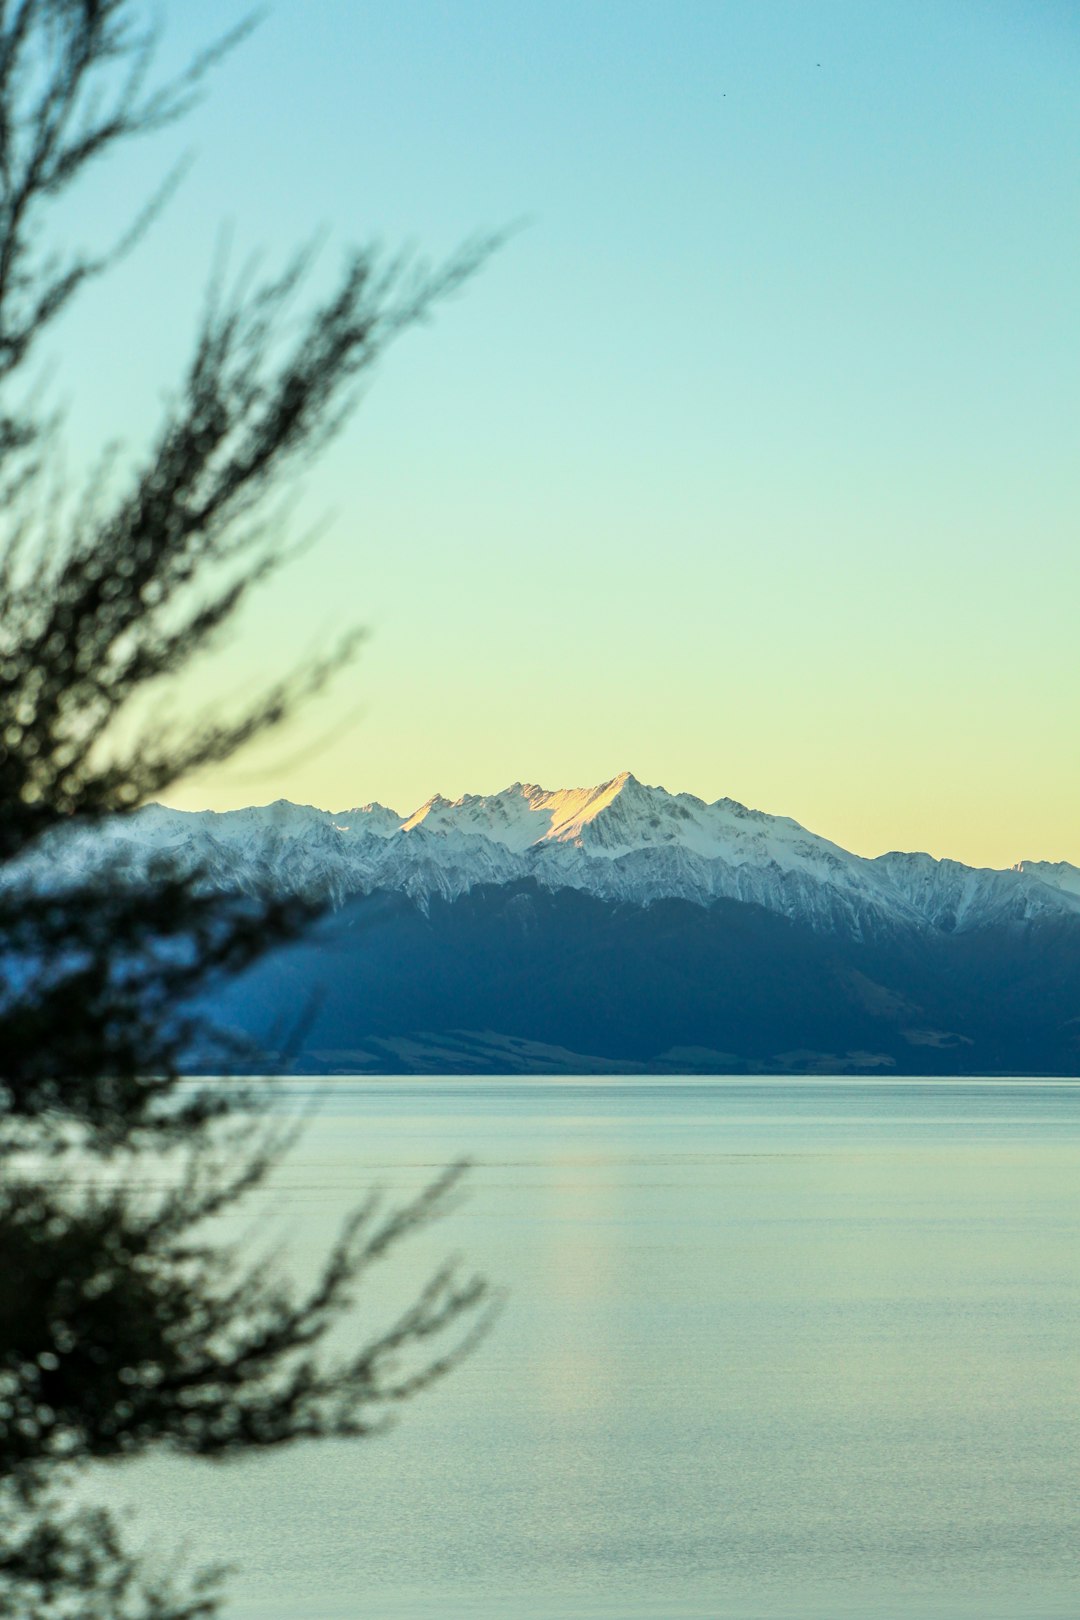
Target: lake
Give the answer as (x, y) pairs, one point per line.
(769, 1349)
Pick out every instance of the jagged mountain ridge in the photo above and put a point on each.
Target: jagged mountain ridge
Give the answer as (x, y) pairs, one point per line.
(621, 841)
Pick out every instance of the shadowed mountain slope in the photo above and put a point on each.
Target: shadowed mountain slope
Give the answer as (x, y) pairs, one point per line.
(518, 978)
(621, 927)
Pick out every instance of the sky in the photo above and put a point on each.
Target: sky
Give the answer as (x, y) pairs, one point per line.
(748, 463)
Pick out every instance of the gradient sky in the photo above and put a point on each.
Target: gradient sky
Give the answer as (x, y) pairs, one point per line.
(749, 464)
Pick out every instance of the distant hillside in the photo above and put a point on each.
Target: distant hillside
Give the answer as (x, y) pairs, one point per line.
(623, 928)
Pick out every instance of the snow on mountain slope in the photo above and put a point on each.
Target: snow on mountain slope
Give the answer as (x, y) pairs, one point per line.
(1057, 874)
(624, 815)
(621, 841)
(953, 897)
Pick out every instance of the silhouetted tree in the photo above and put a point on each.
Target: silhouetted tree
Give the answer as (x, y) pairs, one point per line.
(123, 1326)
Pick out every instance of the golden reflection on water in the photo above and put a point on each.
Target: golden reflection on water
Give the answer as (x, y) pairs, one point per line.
(768, 1351)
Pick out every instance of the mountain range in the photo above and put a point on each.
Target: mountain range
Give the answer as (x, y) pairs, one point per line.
(625, 928)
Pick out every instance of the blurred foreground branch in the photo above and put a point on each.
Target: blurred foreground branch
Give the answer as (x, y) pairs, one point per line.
(124, 1326)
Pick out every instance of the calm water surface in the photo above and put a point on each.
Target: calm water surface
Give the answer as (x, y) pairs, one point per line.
(789, 1348)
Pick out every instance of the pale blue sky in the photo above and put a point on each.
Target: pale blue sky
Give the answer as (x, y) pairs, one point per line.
(749, 464)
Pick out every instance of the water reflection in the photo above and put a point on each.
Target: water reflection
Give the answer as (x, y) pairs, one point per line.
(771, 1350)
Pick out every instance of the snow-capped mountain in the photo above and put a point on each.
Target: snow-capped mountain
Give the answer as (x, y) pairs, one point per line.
(621, 841)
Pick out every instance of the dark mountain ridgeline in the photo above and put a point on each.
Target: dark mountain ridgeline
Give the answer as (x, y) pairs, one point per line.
(618, 927)
(517, 977)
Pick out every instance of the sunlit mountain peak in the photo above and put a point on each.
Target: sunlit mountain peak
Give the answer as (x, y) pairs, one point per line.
(620, 840)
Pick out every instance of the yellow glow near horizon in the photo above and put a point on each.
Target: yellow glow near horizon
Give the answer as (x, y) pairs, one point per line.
(750, 465)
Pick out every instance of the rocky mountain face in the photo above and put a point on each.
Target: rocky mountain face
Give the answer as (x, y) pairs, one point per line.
(622, 928)
(621, 841)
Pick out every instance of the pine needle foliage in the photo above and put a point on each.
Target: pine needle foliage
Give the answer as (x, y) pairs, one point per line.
(126, 1325)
